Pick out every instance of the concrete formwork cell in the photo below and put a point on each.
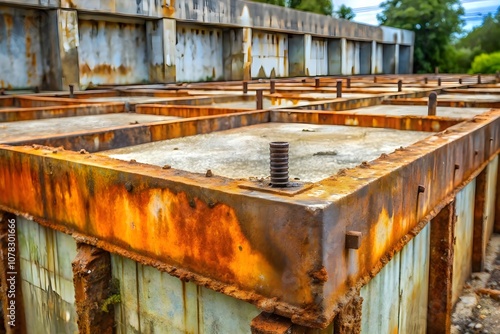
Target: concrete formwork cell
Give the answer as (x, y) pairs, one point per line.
(48, 290)
(334, 56)
(112, 53)
(199, 53)
(404, 59)
(462, 260)
(20, 48)
(389, 63)
(269, 55)
(176, 307)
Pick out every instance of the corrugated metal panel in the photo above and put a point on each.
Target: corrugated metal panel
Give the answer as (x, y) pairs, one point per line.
(414, 284)
(464, 227)
(20, 48)
(199, 54)
(112, 53)
(319, 57)
(155, 302)
(489, 207)
(381, 300)
(48, 290)
(269, 55)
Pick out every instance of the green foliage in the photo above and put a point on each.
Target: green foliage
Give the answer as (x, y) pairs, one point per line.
(486, 63)
(433, 21)
(345, 13)
(324, 7)
(486, 37)
(272, 2)
(458, 60)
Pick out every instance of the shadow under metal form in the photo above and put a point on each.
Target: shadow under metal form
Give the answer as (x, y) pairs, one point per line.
(151, 208)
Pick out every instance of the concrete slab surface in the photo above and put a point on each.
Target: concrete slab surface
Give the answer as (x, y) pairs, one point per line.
(416, 111)
(316, 151)
(32, 129)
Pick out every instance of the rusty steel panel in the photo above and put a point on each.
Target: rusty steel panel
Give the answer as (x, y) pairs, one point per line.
(24, 114)
(20, 48)
(112, 53)
(413, 123)
(135, 210)
(184, 111)
(47, 278)
(199, 54)
(269, 55)
(462, 260)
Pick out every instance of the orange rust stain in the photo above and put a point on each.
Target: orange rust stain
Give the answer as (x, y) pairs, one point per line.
(9, 22)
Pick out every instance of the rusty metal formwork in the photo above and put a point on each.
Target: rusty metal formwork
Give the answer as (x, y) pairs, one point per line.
(302, 254)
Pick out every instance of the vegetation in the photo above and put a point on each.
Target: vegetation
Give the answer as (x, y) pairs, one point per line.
(434, 24)
(486, 63)
(324, 7)
(345, 13)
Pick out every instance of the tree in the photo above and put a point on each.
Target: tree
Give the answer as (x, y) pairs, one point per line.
(324, 7)
(486, 63)
(486, 36)
(345, 13)
(434, 22)
(273, 2)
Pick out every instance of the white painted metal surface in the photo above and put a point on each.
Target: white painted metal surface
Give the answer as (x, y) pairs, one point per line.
(318, 64)
(269, 55)
(199, 54)
(379, 66)
(112, 53)
(352, 57)
(464, 227)
(155, 302)
(47, 278)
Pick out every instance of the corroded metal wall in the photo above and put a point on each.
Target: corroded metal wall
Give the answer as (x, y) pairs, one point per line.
(112, 53)
(20, 48)
(396, 299)
(155, 302)
(379, 59)
(199, 53)
(352, 57)
(489, 207)
(334, 57)
(318, 64)
(269, 55)
(47, 278)
(464, 227)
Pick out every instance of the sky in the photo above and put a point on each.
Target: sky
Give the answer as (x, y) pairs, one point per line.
(367, 10)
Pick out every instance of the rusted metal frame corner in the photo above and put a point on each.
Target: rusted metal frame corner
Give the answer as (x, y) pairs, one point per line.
(388, 189)
(85, 196)
(135, 134)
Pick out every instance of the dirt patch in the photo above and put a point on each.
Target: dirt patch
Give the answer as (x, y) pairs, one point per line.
(478, 309)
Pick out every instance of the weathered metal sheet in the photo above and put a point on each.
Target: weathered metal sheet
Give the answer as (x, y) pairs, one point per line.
(489, 208)
(381, 300)
(414, 284)
(379, 59)
(269, 55)
(112, 53)
(318, 64)
(20, 48)
(462, 261)
(199, 54)
(155, 302)
(48, 291)
(352, 57)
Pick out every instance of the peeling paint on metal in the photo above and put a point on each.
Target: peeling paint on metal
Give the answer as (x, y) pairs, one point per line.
(318, 64)
(462, 261)
(269, 55)
(199, 54)
(48, 290)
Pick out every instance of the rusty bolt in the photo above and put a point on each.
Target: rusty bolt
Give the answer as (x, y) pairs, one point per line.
(432, 104)
(339, 88)
(316, 82)
(375, 79)
(353, 239)
(348, 83)
(460, 80)
(400, 85)
(209, 173)
(272, 89)
(166, 167)
(479, 78)
(259, 99)
(476, 152)
(72, 91)
(426, 80)
(421, 189)
(457, 166)
(128, 186)
(245, 87)
(279, 164)
(439, 82)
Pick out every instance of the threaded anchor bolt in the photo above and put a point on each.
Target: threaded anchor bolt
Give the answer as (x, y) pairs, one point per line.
(279, 164)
